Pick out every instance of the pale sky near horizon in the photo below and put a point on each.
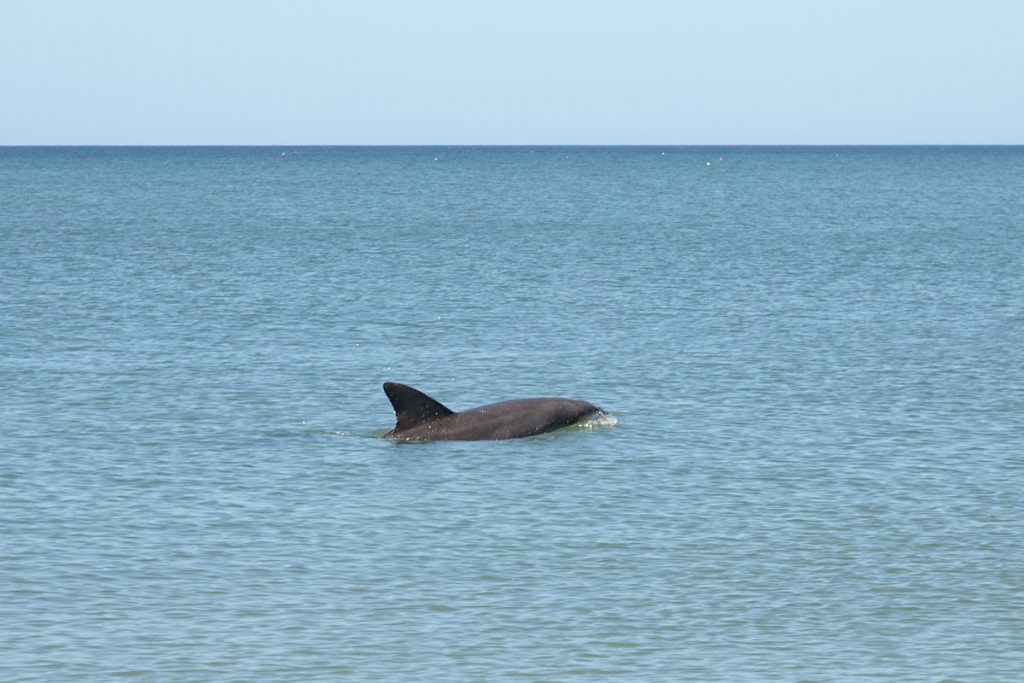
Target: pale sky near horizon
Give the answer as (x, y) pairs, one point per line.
(524, 72)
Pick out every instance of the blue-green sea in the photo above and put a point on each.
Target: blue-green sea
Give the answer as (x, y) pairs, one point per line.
(814, 358)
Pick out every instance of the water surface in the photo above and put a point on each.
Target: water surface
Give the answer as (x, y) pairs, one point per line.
(813, 357)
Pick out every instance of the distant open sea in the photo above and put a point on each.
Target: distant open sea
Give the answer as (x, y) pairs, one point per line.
(814, 355)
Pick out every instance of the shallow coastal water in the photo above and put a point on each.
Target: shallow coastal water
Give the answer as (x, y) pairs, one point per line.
(813, 356)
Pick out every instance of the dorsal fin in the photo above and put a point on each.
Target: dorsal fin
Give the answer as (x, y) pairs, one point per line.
(411, 406)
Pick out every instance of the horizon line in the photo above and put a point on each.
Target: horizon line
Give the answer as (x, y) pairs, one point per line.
(520, 145)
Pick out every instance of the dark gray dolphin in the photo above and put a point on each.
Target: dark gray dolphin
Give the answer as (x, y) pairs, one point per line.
(421, 418)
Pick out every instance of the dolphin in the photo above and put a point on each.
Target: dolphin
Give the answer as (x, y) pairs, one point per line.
(420, 418)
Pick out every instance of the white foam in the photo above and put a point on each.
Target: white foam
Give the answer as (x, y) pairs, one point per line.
(598, 420)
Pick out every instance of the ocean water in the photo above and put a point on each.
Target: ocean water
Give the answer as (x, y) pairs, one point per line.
(813, 356)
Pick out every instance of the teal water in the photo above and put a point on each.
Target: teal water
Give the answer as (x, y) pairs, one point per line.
(813, 356)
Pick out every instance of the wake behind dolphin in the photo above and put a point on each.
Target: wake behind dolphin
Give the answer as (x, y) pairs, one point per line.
(420, 418)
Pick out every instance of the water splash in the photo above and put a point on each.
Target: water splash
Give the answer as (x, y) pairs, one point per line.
(598, 420)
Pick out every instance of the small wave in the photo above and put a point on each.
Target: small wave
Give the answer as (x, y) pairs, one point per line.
(374, 434)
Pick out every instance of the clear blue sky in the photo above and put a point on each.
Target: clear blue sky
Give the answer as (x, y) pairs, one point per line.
(515, 72)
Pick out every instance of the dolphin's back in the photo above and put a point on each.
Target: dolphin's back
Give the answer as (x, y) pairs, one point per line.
(421, 418)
